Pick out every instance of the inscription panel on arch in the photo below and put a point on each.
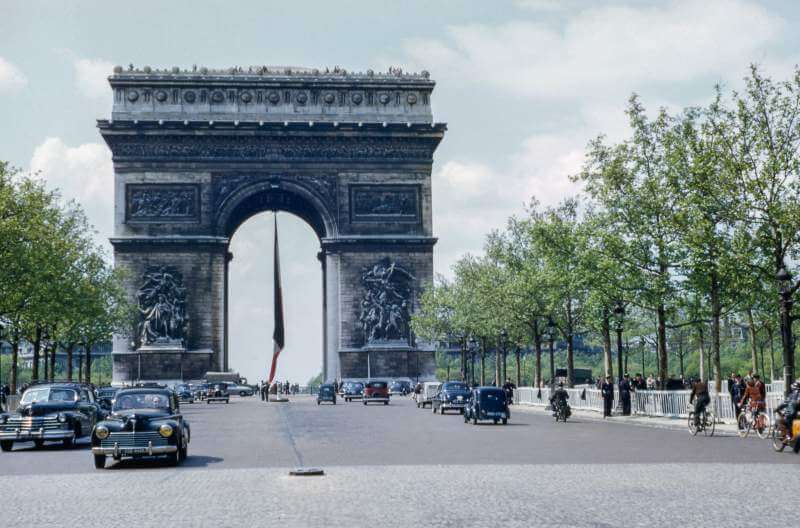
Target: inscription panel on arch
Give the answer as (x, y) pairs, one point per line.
(161, 202)
(385, 203)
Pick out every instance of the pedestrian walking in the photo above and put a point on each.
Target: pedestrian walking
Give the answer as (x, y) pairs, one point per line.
(625, 395)
(607, 391)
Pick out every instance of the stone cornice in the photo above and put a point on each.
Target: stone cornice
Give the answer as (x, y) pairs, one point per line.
(345, 243)
(154, 244)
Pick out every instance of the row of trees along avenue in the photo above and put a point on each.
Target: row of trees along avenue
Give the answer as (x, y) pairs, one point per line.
(57, 291)
(690, 222)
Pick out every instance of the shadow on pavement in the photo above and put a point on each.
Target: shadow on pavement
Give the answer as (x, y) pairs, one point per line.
(193, 461)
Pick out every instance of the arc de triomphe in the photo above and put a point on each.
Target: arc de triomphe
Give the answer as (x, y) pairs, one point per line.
(196, 153)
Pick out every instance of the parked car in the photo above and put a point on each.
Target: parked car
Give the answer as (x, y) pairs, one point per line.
(402, 387)
(487, 403)
(200, 391)
(326, 393)
(353, 390)
(452, 396)
(376, 391)
(429, 390)
(184, 393)
(241, 390)
(143, 423)
(218, 392)
(51, 411)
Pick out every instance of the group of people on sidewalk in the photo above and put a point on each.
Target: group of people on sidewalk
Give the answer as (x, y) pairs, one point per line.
(626, 387)
(265, 389)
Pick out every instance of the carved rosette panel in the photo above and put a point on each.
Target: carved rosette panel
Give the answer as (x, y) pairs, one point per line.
(386, 305)
(161, 301)
(162, 203)
(232, 148)
(385, 203)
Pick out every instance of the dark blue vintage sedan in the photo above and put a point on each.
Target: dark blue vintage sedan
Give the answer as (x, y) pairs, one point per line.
(326, 394)
(143, 423)
(452, 396)
(487, 403)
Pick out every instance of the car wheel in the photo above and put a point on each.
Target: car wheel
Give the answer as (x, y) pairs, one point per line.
(466, 418)
(242, 394)
(6, 445)
(495, 421)
(38, 443)
(364, 402)
(386, 403)
(99, 461)
(434, 408)
(505, 421)
(418, 406)
(228, 400)
(317, 402)
(68, 442)
(475, 419)
(208, 402)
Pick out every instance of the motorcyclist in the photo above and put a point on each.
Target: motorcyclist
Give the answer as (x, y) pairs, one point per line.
(789, 408)
(559, 398)
(509, 387)
(700, 398)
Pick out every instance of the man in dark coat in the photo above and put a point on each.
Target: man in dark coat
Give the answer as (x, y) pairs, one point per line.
(625, 395)
(607, 391)
(737, 392)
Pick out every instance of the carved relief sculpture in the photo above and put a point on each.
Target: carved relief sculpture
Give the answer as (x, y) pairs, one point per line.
(162, 202)
(385, 308)
(162, 306)
(390, 203)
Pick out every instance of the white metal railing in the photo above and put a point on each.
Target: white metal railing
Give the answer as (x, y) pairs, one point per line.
(656, 403)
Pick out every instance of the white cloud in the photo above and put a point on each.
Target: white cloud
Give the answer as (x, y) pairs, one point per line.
(602, 50)
(11, 78)
(91, 77)
(83, 173)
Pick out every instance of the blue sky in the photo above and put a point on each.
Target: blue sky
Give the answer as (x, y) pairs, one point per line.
(522, 84)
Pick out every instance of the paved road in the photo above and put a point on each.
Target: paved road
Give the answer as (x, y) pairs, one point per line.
(403, 465)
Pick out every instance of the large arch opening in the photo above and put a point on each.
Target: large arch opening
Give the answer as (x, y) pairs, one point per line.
(250, 298)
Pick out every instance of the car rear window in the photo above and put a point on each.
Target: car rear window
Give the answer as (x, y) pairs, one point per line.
(377, 385)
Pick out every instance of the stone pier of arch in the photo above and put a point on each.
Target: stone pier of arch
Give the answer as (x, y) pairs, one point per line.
(196, 153)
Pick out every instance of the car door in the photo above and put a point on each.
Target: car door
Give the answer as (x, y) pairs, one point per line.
(88, 411)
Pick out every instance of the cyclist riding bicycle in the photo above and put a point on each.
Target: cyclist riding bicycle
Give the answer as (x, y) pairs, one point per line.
(559, 398)
(700, 398)
(754, 395)
(790, 406)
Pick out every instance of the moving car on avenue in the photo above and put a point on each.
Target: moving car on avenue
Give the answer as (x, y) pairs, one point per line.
(241, 390)
(426, 394)
(218, 392)
(326, 393)
(352, 390)
(487, 403)
(142, 423)
(51, 411)
(184, 393)
(401, 386)
(376, 391)
(453, 396)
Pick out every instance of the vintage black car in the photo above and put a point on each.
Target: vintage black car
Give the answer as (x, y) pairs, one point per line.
(184, 393)
(353, 390)
(218, 392)
(452, 396)
(487, 403)
(51, 411)
(326, 394)
(142, 423)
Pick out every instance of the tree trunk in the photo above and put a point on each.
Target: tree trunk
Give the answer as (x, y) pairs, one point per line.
(70, 348)
(519, 369)
(771, 354)
(570, 361)
(53, 350)
(37, 345)
(680, 357)
(753, 344)
(14, 362)
(46, 363)
(701, 340)
(608, 364)
(716, 315)
(88, 370)
(537, 344)
(483, 361)
(663, 360)
(497, 365)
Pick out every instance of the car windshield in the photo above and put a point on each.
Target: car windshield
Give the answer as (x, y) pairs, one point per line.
(454, 386)
(45, 394)
(326, 389)
(182, 388)
(141, 400)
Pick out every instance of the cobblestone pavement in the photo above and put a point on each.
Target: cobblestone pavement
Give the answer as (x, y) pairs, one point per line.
(401, 466)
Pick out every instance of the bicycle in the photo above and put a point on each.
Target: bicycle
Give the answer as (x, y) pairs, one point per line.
(706, 424)
(756, 419)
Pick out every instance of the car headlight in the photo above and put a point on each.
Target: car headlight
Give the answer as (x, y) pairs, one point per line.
(165, 430)
(3, 419)
(101, 432)
(62, 418)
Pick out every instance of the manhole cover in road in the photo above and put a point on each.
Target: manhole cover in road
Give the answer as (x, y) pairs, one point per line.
(306, 472)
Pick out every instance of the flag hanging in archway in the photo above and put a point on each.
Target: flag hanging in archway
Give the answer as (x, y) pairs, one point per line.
(277, 334)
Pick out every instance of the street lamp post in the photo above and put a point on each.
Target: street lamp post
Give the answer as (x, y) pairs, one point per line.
(641, 346)
(787, 337)
(550, 336)
(619, 314)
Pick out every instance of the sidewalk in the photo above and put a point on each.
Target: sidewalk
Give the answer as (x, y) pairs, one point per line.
(678, 424)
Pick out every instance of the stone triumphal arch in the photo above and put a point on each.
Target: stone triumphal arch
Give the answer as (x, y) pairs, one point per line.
(196, 153)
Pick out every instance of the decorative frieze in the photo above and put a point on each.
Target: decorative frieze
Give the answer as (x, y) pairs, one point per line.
(385, 203)
(158, 202)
